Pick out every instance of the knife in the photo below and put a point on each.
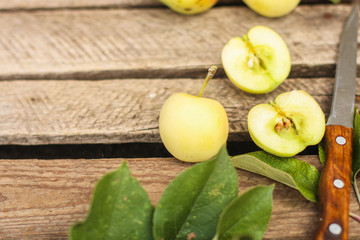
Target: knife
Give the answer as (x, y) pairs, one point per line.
(334, 185)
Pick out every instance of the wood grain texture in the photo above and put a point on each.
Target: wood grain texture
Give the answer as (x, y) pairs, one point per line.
(41, 199)
(154, 43)
(59, 4)
(334, 201)
(119, 111)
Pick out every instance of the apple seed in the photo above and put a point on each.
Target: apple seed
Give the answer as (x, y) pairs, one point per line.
(284, 123)
(251, 63)
(279, 126)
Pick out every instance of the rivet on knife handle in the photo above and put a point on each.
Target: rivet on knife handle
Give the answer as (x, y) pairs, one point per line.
(334, 185)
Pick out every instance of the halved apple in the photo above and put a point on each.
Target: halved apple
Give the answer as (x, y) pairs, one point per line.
(288, 125)
(258, 62)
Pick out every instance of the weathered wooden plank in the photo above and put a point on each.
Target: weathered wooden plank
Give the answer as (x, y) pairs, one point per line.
(119, 111)
(58, 4)
(40, 199)
(150, 43)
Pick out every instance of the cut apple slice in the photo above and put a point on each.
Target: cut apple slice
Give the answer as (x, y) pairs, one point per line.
(258, 62)
(288, 125)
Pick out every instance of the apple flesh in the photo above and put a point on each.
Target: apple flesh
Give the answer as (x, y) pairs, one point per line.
(189, 7)
(193, 128)
(258, 62)
(288, 125)
(272, 8)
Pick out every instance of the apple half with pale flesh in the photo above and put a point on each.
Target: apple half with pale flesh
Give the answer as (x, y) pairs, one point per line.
(258, 62)
(288, 125)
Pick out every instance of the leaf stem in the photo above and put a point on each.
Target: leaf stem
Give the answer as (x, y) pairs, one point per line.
(354, 216)
(356, 189)
(209, 76)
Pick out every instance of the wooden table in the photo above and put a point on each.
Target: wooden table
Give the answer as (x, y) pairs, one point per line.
(82, 84)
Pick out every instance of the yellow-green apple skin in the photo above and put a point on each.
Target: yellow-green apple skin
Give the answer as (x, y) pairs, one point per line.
(272, 8)
(189, 7)
(258, 62)
(192, 128)
(288, 125)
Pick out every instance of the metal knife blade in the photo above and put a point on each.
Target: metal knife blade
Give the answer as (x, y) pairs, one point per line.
(334, 185)
(342, 109)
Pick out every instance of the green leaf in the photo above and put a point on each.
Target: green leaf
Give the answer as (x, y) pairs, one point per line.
(191, 205)
(289, 171)
(247, 216)
(356, 153)
(322, 154)
(335, 1)
(356, 145)
(120, 209)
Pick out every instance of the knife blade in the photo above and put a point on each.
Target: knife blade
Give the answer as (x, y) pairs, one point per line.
(335, 185)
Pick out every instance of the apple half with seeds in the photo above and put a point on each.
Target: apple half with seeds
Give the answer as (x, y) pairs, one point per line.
(257, 62)
(288, 125)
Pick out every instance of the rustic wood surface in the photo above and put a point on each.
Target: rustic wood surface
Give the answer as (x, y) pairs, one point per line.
(57, 4)
(154, 43)
(43, 198)
(118, 111)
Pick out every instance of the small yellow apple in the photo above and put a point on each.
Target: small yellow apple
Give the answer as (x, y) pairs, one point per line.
(189, 6)
(272, 8)
(193, 128)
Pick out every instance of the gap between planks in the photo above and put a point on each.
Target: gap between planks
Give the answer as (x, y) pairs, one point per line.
(43, 198)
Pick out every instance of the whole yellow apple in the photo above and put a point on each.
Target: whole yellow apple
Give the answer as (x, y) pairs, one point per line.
(193, 128)
(189, 6)
(272, 8)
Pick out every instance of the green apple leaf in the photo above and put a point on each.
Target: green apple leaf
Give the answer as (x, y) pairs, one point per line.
(247, 216)
(120, 209)
(335, 1)
(191, 204)
(322, 154)
(356, 153)
(289, 171)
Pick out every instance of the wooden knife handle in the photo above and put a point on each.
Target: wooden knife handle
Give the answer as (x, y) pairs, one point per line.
(335, 185)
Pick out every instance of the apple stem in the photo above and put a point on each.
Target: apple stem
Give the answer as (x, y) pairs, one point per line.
(209, 76)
